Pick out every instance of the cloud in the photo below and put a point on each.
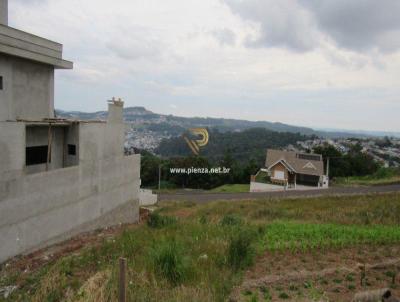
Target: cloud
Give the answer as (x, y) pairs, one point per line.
(135, 48)
(132, 42)
(359, 25)
(302, 25)
(224, 36)
(282, 23)
(225, 55)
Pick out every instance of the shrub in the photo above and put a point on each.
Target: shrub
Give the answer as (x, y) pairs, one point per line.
(231, 220)
(158, 221)
(169, 262)
(240, 250)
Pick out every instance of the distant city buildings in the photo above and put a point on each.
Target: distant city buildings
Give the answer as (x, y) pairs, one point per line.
(384, 150)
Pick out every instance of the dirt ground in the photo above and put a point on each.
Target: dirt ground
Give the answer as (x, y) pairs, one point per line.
(329, 275)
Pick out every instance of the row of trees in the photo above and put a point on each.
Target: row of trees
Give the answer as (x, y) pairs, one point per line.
(353, 163)
(151, 165)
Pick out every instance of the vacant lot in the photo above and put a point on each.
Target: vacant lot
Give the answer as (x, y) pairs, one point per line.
(384, 176)
(318, 249)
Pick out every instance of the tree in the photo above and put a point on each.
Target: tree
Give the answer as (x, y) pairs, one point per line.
(149, 168)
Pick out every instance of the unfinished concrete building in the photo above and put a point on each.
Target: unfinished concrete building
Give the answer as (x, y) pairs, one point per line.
(58, 177)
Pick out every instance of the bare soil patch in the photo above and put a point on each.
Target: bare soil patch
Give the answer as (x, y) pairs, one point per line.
(321, 275)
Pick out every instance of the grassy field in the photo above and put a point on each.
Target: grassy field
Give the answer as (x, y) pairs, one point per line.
(199, 252)
(384, 176)
(232, 188)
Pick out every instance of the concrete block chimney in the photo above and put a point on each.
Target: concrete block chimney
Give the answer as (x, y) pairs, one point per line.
(4, 12)
(115, 111)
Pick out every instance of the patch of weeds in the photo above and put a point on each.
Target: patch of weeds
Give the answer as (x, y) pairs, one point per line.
(203, 219)
(316, 294)
(169, 262)
(293, 288)
(307, 284)
(240, 249)
(266, 293)
(390, 274)
(338, 281)
(351, 287)
(158, 221)
(54, 296)
(350, 277)
(254, 298)
(283, 296)
(324, 282)
(231, 220)
(247, 292)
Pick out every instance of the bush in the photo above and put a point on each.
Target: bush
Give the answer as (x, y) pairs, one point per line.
(158, 221)
(231, 220)
(240, 250)
(168, 262)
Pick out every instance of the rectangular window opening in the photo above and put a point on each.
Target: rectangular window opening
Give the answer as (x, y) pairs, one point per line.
(36, 155)
(71, 150)
(1, 83)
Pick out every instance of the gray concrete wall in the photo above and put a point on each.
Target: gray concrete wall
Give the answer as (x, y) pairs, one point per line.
(42, 208)
(12, 151)
(28, 89)
(147, 198)
(4, 12)
(39, 208)
(21, 44)
(71, 138)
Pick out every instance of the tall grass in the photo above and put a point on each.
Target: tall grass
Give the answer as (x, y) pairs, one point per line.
(362, 209)
(156, 220)
(170, 262)
(384, 176)
(283, 235)
(231, 220)
(241, 251)
(202, 256)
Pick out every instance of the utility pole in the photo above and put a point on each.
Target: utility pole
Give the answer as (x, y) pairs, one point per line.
(327, 167)
(122, 280)
(159, 177)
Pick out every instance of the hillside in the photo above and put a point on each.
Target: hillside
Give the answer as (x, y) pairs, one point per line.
(142, 118)
(147, 129)
(242, 146)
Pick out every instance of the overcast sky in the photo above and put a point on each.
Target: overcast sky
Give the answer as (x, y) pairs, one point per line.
(332, 63)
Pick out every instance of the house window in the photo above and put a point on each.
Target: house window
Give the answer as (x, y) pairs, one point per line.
(36, 155)
(71, 150)
(309, 157)
(279, 174)
(1, 83)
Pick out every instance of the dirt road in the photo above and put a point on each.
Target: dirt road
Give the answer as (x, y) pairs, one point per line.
(208, 197)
